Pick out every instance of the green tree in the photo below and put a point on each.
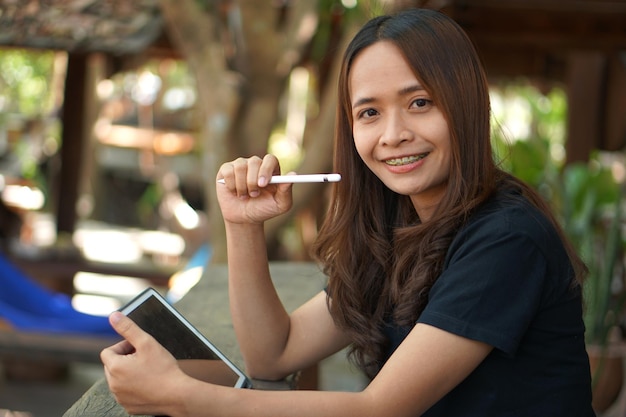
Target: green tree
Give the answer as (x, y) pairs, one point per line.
(26, 82)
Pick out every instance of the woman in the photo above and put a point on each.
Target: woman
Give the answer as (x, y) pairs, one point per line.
(449, 279)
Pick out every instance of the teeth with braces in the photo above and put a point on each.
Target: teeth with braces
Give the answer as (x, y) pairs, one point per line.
(405, 160)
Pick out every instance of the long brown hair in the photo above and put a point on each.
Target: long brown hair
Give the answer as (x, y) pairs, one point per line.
(380, 259)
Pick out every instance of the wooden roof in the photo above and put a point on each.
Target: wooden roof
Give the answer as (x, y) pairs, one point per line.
(530, 28)
(534, 37)
(118, 27)
(544, 24)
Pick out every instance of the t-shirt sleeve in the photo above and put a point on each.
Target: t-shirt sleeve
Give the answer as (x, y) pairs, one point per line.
(491, 287)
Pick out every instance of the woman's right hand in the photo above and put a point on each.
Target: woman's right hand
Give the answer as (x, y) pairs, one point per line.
(246, 195)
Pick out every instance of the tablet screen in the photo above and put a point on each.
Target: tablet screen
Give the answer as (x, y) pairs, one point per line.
(196, 356)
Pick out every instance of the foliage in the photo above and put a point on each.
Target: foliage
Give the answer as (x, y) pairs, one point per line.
(593, 220)
(29, 129)
(25, 82)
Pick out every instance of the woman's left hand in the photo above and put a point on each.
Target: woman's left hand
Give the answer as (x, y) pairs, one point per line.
(142, 375)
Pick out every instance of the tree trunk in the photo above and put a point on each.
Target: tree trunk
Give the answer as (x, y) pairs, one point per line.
(194, 33)
(241, 75)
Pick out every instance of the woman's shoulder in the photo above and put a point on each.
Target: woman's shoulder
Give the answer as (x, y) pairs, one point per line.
(510, 212)
(509, 206)
(511, 231)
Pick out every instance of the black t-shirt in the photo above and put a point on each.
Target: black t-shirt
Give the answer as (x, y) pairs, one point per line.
(507, 282)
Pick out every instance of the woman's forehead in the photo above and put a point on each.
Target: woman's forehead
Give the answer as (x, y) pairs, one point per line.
(381, 67)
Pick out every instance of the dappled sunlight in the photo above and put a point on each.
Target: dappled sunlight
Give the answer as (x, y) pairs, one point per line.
(100, 294)
(97, 305)
(104, 243)
(287, 144)
(160, 243)
(99, 242)
(513, 113)
(113, 285)
(109, 246)
(183, 281)
(521, 112)
(23, 197)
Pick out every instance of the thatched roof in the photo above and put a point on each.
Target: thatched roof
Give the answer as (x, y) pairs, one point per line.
(127, 26)
(114, 26)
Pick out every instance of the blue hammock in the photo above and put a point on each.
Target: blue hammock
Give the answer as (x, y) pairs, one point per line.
(25, 305)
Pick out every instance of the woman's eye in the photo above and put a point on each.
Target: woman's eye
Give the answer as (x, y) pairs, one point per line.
(367, 113)
(421, 102)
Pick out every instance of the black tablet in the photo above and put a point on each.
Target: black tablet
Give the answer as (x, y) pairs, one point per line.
(196, 355)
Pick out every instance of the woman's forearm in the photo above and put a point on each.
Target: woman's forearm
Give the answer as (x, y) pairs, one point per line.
(260, 320)
(227, 402)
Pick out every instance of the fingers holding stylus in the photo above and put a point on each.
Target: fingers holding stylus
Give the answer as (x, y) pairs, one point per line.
(269, 166)
(245, 176)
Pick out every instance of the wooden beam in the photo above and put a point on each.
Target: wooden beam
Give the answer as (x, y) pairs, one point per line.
(53, 347)
(543, 25)
(527, 62)
(580, 6)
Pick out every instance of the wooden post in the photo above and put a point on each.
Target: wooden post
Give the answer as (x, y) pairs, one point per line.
(585, 82)
(615, 115)
(74, 119)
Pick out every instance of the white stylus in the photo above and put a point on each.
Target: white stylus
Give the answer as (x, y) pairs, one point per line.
(293, 179)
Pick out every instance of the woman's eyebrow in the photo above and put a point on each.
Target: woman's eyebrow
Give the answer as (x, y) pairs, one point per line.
(402, 92)
(362, 101)
(411, 89)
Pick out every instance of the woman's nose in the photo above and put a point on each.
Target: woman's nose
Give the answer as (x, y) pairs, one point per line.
(396, 130)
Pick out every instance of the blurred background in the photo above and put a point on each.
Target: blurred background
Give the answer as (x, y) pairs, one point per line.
(115, 115)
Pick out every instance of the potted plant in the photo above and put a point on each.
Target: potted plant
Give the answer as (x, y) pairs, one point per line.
(593, 219)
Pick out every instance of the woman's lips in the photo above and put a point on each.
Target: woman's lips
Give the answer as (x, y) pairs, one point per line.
(406, 160)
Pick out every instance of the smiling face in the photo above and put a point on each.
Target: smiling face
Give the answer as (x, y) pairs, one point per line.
(399, 132)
